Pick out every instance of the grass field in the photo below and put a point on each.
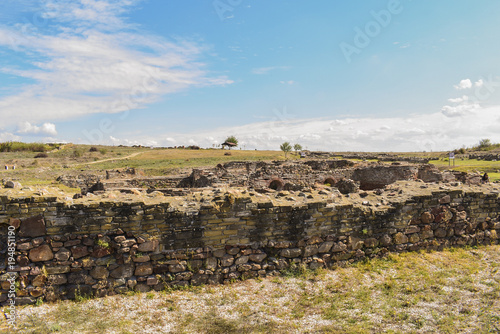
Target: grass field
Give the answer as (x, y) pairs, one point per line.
(74, 158)
(160, 161)
(454, 291)
(471, 166)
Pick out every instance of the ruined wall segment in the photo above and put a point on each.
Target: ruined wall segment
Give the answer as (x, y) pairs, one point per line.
(101, 246)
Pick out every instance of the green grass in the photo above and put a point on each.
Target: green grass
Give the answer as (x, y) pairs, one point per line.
(161, 161)
(471, 165)
(454, 291)
(14, 146)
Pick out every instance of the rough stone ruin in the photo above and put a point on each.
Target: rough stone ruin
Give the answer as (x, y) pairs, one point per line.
(344, 175)
(235, 221)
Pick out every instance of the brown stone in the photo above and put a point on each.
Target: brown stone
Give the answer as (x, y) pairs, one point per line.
(314, 240)
(80, 277)
(39, 280)
(120, 238)
(241, 260)
(42, 253)
(325, 247)
(57, 270)
(142, 258)
(63, 254)
(70, 243)
(79, 251)
(445, 199)
(123, 271)
(24, 246)
(128, 243)
(291, 252)
(101, 252)
(152, 281)
(339, 247)
(143, 270)
(227, 260)
(36, 292)
(219, 252)
(400, 238)
(176, 268)
(99, 272)
(256, 258)
(142, 287)
(440, 233)
(385, 240)
(371, 242)
(33, 227)
(414, 238)
(427, 218)
(15, 222)
(58, 279)
(149, 246)
(310, 250)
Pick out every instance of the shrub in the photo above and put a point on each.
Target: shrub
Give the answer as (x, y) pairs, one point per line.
(77, 153)
(93, 149)
(41, 155)
(14, 146)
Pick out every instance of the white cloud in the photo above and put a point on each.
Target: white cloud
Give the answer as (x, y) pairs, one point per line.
(45, 129)
(96, 63)
(436, 131)
(266, 70)
(459, 99)
(464, 84)
(7, 136)
(479, 83)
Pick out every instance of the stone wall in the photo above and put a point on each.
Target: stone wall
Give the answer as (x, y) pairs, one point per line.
(105, 247)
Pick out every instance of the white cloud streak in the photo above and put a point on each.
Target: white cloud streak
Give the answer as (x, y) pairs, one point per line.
(464, 84)
(266, 70)
(95, 63)
(45, 129)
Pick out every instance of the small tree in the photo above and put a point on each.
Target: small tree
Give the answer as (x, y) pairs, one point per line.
(286, 147)
(484, 144)
(232, 139)
(297, 148)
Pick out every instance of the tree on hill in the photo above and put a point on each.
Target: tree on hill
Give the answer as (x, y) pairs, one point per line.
(297, 148)
(484, 144)
(231, 141)
(286, 147)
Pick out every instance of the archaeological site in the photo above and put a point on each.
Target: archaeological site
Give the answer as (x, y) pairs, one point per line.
(237, 220)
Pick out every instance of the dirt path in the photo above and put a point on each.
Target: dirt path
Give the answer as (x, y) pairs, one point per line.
(109, 159)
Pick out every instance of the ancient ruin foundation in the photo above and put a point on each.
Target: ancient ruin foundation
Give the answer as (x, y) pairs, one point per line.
(112, 242)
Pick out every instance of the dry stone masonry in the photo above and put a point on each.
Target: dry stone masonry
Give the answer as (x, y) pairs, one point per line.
(111, 243)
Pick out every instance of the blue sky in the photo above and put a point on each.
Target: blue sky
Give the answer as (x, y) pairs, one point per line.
(331, 75)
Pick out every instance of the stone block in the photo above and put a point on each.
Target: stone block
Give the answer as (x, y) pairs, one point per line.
(291, 252)
(40, 254)
(33, 227)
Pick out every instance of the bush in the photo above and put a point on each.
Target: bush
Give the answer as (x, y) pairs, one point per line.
(103, 151)
(41, 155)
(77, 153)
(14, 146)
(93, 149)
